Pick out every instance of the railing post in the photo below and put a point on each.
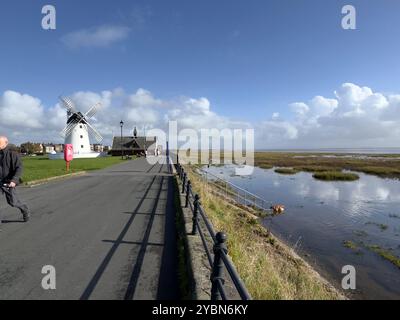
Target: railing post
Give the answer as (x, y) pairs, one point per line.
(187, 193)
(184, 182)
(196, 205)
(218, 265)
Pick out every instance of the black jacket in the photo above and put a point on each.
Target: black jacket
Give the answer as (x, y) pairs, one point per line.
(10, 166)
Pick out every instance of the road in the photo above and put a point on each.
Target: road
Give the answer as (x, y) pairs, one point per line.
(109, 234)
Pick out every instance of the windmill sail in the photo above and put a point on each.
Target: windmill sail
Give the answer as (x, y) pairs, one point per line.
(92, 111)
(75, 117)
(68, 104)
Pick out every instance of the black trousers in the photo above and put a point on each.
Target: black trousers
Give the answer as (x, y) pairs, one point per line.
(13, 199)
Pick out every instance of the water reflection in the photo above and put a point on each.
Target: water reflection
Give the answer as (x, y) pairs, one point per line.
(321, 215)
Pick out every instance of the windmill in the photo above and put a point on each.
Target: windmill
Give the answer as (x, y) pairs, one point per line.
(78, 128)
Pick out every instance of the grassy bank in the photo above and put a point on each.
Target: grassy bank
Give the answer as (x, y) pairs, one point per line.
(388, 167)
(36, 168)
(269, 269)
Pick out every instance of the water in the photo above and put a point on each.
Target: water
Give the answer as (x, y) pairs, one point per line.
(321, 215)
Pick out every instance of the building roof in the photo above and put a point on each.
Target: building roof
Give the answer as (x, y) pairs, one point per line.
(132, 143)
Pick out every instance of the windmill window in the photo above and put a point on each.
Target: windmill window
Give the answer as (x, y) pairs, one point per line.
(80, 126)
(82, 146)
(81, 137)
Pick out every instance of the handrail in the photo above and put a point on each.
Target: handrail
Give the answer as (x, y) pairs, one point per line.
(221, 259)
(247, 194)
(233, 185)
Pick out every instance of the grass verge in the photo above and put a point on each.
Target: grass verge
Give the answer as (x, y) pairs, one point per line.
(269, 269)
(37, 168)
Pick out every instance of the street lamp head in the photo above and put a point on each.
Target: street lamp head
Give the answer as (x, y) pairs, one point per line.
(121, 123)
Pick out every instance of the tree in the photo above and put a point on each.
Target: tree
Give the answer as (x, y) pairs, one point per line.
(31, 148)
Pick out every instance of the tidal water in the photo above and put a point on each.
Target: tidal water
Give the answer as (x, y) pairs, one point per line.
(320, 216)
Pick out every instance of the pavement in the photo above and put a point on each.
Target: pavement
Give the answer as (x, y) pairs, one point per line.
(109, 234)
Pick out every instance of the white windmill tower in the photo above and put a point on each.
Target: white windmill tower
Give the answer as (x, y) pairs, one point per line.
(77, 130)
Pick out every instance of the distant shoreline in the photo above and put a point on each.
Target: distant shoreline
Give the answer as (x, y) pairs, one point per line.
(394, 150)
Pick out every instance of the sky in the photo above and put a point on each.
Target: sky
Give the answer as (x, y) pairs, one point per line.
(285, 68)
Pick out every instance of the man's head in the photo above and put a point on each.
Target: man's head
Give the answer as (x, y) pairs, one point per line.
(3, 142)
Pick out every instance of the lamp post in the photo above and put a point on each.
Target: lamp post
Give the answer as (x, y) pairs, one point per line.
(122, 147)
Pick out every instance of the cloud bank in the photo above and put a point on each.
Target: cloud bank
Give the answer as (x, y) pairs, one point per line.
(353, 117)
(102, 36)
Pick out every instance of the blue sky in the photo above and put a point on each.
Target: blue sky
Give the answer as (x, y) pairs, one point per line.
(249, 58)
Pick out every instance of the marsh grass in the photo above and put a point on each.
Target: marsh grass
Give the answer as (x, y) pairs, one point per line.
(381, 226)
(335, 176)
(288, 171)
(387, 168)
(350, 244)
(386, 254)
(269, 269)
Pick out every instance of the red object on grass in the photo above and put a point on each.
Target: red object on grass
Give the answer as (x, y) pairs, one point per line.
(68, 154)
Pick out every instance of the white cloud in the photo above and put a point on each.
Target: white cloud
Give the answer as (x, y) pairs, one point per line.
(300, 108)
(21, 111)
(102, 36)
(355, 117)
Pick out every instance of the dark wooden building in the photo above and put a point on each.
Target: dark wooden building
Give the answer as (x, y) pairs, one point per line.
(134, 146)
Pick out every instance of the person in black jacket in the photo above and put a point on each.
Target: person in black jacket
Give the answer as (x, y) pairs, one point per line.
(10, 174)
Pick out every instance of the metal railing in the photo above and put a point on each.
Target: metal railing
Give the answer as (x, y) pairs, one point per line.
(235, 193)
(217, 257)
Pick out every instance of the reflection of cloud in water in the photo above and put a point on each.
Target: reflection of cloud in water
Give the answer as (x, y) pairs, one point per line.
(303, 190)
(327, 192)
(383, 193)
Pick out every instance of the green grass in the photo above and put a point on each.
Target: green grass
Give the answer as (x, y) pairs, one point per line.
(37, 168)
(286, 171)
(386, 254)
(350, 244)
(335, 176)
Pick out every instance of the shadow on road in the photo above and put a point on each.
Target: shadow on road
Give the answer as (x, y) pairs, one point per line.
(168, 283)
(92, 284)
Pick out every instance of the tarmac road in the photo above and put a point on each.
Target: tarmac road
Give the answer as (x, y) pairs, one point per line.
(110, 234)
